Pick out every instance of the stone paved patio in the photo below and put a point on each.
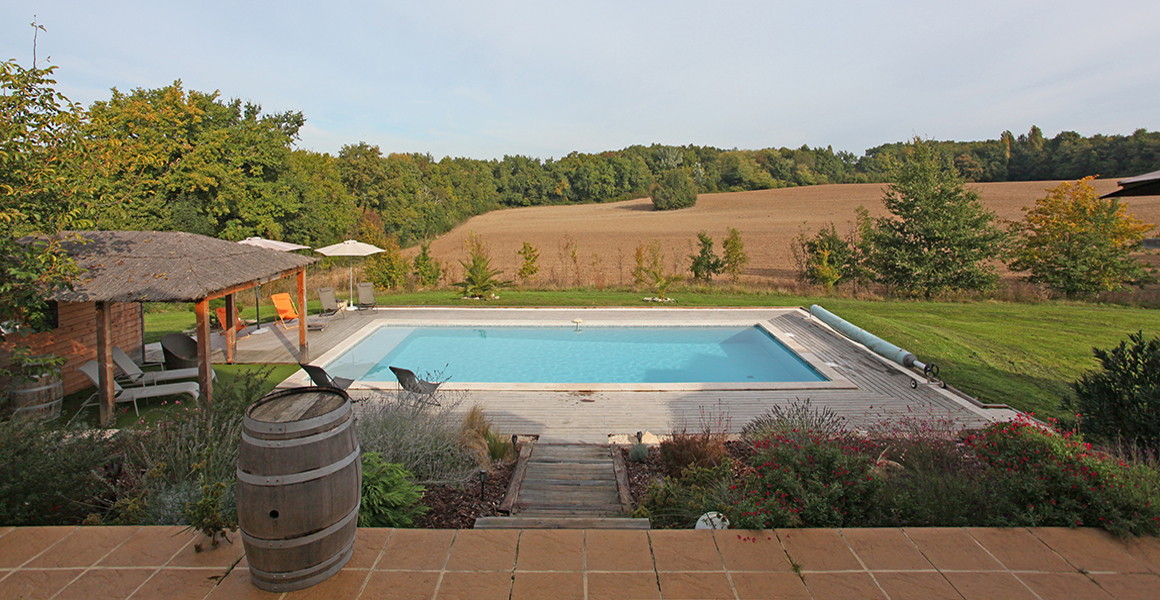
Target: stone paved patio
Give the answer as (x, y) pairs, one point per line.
(97, 563)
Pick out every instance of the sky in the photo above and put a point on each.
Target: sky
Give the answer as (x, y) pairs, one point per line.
(543, 79)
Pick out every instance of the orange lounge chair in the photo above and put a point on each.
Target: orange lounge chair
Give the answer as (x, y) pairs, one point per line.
(285, 307)
(239, 325)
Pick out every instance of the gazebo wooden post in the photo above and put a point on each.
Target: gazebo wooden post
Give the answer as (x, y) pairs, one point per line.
(204, 374)
(302, 327)
(105, 363)
(231, 331)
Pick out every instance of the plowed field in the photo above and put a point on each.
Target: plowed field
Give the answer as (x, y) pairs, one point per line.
(605, 236)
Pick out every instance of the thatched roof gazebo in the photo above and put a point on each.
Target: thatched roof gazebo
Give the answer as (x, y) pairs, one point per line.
(155, 266)
(1147, 184)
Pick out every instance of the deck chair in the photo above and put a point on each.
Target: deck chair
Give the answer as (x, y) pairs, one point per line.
(285, 307)
(421, 391)
(180, 351)
(323, 379)
(239, 324)
(329, 304)
(133, 375)
(133, 394)
(366, 295)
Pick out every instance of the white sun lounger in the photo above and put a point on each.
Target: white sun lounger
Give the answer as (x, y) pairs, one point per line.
(133, 394)
(135, 376)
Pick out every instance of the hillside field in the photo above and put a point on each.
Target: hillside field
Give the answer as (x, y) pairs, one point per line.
(605, 236)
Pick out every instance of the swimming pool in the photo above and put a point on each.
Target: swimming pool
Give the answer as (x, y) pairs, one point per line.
(565, 355)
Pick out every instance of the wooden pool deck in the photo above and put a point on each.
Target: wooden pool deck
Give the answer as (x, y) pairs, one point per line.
(880, 390)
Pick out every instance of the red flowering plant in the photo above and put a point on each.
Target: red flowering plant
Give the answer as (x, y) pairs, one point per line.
(1061, 480)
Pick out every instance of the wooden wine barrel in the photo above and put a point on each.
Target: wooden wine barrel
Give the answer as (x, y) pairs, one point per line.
(38, 398)
(299, 483)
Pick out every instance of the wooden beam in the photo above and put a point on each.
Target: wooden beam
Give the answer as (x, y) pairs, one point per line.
(249, 284)
(303, 356)
(231, 331)
(105, 363)
(204, 373)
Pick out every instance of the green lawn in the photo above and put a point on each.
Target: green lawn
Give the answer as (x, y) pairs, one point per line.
(1024, 355)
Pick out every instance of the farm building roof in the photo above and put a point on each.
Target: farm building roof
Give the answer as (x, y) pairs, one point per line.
(1147, 184)
(166, 266)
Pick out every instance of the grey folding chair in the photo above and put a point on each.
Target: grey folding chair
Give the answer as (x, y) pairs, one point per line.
(366, 295)
(421, 391)
(323, 379)
(329, 303)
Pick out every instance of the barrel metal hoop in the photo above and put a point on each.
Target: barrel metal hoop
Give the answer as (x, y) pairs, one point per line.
(292, 478)
(300, 541)
(297, 426)
(309, 439)
(280, 582)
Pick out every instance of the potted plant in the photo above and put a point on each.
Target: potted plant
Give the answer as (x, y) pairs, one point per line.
(35, 388)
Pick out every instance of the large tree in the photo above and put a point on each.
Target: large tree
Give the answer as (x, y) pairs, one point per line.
(1078, 244)
(939, 236)
(184, 160)
(41, 192)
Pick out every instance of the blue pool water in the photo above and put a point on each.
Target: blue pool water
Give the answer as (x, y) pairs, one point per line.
(564, 355)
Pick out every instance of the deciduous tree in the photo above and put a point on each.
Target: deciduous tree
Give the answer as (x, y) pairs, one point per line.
(1077, 243)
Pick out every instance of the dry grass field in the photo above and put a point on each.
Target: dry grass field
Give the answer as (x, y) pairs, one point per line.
(605, 236)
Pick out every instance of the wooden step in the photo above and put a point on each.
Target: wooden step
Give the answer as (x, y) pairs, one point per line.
(559, 523)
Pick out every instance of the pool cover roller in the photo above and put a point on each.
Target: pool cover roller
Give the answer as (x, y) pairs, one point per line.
(878, 345)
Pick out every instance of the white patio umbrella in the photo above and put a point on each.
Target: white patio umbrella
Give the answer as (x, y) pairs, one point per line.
(351, 248)
(269, 245)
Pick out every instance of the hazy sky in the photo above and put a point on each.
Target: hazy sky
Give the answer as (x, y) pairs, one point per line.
(487, 78)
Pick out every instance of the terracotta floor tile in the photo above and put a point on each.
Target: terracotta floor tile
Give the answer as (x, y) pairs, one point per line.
(417, 550)
(237, 586)
(1019, 550)
(1063, 586)
(818, 549)
(548, 586)
(177, 584)
(475, 586)
(951, 549)
(35, 584)
(885, 549)
(623, 586)
(550, 550)
(484, 550)
(82, 547)
(400, 585)
(149, 547)
(916, 586)
(842, 586)
(762, 586)
(751, 550)
(695, 586)
(4, 530)
(223, 556)
(1089, 549)
(343, 585)
(993, 585)
(685, 550)
(368, 545)
(1129, 586)
(1145, 549)
(617, 550)
(105, 583)
(24, 543)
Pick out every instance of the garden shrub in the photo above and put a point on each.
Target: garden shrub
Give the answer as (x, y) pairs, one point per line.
(389, 498)
(1064, 482)
(52, 476)
(798, 420)
(684, 449)
(424, 439)
(484, 443)
(679, 501)
(675, 189)
(808, 482)
(1122, 401)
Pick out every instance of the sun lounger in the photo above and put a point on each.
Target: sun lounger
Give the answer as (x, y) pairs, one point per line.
(285, 307)
(133, 375)
(133, 394)
(323, 379)
(239, 324)
(422, 391)
(329, 303)
(366, 295)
